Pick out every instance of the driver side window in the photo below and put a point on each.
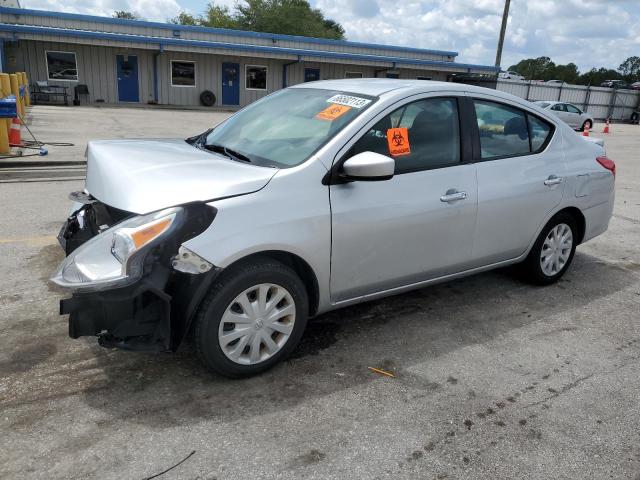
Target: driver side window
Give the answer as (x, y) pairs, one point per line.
(432, 130)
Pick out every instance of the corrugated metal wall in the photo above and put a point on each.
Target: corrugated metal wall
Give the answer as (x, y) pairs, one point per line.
(295, 72)
(97, 69)
(598, 101)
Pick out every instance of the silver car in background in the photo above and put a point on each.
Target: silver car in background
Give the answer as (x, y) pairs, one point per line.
(568, 113)
(317, 197)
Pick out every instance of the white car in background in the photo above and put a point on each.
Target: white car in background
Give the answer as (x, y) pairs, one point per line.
(568, 113)
(511, 75)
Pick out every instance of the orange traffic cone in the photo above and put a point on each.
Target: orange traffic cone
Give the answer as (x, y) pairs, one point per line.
(606, 127)
(585, 131)
(14, 133)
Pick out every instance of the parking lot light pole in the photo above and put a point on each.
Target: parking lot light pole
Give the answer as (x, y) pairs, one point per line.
(503, 28)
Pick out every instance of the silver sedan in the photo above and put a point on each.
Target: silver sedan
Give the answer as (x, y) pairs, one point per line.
(317, 197)
(568, 113)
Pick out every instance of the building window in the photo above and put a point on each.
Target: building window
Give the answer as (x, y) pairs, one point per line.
(62, 66)
(183, 73)
(424, 78)
(352, 74)
(311, 74)
(256, 77)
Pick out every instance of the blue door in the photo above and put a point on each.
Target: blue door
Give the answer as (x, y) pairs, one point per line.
(311, 74)
(127, 78)
(230, 84)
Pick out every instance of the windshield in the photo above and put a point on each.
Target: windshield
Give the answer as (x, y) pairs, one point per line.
(285, 128)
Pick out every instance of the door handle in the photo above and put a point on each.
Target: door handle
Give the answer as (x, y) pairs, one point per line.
(453, 196)
(552, 180)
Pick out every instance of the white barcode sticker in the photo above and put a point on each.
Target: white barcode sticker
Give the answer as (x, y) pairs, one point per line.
(349, 101)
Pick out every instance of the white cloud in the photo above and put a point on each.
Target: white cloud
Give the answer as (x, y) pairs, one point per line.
(587, 32)
(156, 10)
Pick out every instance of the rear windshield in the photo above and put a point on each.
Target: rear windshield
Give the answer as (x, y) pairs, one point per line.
(285, 128)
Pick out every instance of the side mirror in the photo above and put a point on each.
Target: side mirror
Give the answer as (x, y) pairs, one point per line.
(368, 166)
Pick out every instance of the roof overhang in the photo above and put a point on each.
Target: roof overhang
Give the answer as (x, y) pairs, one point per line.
(170, 27)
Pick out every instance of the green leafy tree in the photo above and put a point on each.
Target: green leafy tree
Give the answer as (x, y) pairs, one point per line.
(540, 68)
(126, 15)
(597, 76)
(291, 17)
(630, 69)
(220, 17)
(185, 18)
(567, 73)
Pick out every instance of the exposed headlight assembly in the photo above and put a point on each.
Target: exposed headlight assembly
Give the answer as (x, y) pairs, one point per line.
(116, 256)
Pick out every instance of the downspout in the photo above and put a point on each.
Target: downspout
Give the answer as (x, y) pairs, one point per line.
(156, 57)
(1, 55)
(285, 69)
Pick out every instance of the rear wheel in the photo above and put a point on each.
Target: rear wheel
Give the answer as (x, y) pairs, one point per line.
(251, 319)
(553, 251)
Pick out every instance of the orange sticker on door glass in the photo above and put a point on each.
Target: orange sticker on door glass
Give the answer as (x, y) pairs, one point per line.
(332, 112)
(398, 140)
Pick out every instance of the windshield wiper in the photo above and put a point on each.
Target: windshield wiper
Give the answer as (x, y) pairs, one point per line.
(234, 155)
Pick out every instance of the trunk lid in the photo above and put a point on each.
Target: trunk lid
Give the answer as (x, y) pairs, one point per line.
(141, 176)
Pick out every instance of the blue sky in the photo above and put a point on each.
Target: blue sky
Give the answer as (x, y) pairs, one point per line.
(590, 33)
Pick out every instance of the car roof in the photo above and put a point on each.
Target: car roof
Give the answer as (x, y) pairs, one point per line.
(379, 86)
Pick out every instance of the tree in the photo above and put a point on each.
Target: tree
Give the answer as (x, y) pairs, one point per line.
(126, 15)
(219, 17)
(185, 18)
(567, 73)
(540, 68)
(630, 69)
(597, 76)
(291, 17)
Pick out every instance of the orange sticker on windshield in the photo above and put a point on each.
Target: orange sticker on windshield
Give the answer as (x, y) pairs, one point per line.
(398, 140)
(332, 112)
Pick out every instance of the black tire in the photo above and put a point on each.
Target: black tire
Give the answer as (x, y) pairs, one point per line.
(635, 117)
(531, 269)
(232, 283)
(587, 122)
(208, 98)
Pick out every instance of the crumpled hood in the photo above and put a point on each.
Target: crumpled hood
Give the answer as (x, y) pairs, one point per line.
(142, 176)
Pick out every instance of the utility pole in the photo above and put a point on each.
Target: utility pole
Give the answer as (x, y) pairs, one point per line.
(503, 28)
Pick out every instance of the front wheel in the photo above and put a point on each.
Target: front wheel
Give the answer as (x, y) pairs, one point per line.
(552, 252)
(251, 319)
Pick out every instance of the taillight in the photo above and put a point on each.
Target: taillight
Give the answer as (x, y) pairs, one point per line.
(607, 163)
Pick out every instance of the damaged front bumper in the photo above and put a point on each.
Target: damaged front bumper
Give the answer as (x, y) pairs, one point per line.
(154, 312)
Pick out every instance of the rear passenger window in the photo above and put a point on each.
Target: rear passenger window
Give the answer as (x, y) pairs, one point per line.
(539, 131)
(503, 130)
(432, 130)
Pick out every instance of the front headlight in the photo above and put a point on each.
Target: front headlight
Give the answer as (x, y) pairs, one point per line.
(116, 255)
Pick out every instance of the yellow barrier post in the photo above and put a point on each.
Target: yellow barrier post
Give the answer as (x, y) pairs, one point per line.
(5, 86)
(5, 90)
(15, 89)
(27, 95)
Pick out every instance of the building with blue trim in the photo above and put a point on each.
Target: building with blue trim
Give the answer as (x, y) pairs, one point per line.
(132, 61)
